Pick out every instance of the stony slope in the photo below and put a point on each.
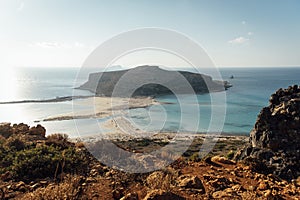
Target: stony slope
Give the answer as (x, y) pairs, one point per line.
(214, 177)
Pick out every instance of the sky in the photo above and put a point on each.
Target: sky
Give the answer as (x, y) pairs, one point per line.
(62, 33)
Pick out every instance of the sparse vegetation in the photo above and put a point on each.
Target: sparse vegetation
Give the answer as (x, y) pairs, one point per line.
(27, 160)
(195, 157)
(33, 166)
(230, 154)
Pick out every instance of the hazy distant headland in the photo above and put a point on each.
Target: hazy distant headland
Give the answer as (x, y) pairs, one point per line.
(151, 81)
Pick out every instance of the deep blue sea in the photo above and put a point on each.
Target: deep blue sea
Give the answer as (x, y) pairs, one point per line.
(251, 90)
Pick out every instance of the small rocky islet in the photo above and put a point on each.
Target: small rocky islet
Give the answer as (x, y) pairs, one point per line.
(266, 166)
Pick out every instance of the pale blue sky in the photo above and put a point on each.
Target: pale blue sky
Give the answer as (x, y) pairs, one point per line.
(234, 33)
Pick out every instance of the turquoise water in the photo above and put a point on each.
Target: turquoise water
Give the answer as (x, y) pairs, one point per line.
(251, 90)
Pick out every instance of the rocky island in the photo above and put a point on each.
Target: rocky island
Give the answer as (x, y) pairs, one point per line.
(151, 81)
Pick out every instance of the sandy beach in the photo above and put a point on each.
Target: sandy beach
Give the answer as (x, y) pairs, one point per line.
(100, 107)
(122, 129)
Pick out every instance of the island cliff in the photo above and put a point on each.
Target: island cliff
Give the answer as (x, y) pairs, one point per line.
(104, 83)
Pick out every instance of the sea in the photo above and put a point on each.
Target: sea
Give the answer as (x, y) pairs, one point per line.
(250, 92)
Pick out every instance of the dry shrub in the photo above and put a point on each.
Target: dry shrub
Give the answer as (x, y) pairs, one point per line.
(58, 140)
(71, 188)
(161, 180)
(2, 139)
(80, 145)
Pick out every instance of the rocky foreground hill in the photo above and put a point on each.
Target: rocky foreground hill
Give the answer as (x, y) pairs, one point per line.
(150, 81)
(274, 145)
(33, 166)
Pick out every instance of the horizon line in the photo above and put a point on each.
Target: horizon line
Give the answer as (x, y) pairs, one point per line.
(269, 66)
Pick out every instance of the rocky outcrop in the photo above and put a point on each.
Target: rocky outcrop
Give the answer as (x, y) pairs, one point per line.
(190, 182)
(6, 130)
(162, 195)
(150, 81)
(274, 145)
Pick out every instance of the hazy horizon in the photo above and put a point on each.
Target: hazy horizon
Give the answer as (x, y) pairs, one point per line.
(179, 67)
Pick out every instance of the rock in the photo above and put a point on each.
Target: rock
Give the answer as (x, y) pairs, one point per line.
(237, 187)
(44, 182)
(94, 172)
(154, 178)
(210, 162)
(20, 128)
(298, 181)
(221, 195)
(190, 182)
(6, 176)
(221, 159)
(162, 195)
(35, 186)
(220, 183)
(2, 194)
(274, 145)
(90, 180)
(117, 194)
(38, 130)
(33, 133)
(20, 184)
(108, 174)
(263, 186)
(268, 193)
(130, 196)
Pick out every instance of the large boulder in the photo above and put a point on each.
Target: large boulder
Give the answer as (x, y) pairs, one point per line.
(190, 182)
(274, 144)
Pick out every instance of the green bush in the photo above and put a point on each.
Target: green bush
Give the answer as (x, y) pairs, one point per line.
(46, 161)
(195, 157)
(230, 155)
(14, 143)
(37, 161)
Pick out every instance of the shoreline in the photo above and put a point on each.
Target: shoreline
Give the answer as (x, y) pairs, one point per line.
(52, 100)
(103, 107)
(160, 136)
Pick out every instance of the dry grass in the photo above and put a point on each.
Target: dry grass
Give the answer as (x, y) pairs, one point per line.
(161, 180)
(71, 188)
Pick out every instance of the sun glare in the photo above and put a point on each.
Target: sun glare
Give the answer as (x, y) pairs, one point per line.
(8, 84)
